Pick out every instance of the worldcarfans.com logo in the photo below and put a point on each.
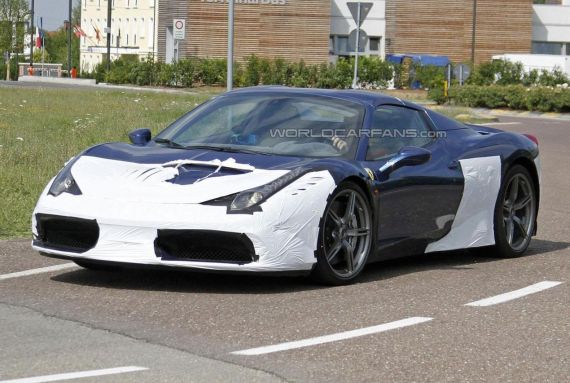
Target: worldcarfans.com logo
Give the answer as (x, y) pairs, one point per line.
(354, 133)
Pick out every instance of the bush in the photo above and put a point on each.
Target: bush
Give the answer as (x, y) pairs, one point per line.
(373, 73)
(430, 76)
(437, 94)
(542, 99)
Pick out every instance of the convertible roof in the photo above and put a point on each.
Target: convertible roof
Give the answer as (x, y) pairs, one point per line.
(352, 95)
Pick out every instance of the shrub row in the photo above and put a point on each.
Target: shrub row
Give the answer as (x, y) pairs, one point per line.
(502, 72)
(539, 98)
(373, 73)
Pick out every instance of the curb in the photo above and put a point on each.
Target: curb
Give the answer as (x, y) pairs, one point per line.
(523, 114)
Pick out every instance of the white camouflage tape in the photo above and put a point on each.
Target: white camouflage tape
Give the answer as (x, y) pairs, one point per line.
(130, 209)
(473, 224)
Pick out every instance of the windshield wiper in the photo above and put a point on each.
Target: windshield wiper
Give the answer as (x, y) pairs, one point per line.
(169, 143)
(227, 149)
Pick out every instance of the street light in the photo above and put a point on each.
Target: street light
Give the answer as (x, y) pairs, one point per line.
(230, 74)
(473, 32)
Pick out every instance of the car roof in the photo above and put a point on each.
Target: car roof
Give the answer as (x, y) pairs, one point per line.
(360, 96)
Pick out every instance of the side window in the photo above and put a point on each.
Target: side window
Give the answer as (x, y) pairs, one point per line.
(394, 127)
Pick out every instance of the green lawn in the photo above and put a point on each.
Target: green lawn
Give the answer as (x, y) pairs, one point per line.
(40, 129)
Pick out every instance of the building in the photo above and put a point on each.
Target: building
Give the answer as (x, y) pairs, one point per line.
(445, 27)
(343, 24)
(290, 29)
(319, 31)
(133, 30)
(551, 28)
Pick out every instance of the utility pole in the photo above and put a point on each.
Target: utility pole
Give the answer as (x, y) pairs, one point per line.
(355, 79)
(230, 74)
(474, 32)
(32, 42)
(69, 40)
(109, 11)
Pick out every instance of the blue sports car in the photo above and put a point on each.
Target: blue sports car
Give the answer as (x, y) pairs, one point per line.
(274, 179)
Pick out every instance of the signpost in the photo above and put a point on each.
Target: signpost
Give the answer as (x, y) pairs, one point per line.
(230, 74)
(359, 12)
(179, 29)
(178, 33)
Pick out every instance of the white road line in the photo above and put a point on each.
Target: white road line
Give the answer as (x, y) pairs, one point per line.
(76, 375)
(38, 271)
(500, 123)
(333, 337)
(537, 287)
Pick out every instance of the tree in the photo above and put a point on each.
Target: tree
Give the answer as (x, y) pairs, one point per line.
(56, 42)
(13, 15)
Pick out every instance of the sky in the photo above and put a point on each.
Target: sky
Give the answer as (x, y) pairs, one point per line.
(53, 12)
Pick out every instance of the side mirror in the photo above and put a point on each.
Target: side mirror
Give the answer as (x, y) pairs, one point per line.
(140, 137)
(407, 156)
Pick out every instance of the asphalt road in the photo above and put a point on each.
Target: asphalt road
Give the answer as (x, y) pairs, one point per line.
(187, 327)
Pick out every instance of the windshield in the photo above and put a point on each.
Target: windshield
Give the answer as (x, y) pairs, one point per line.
(294, 125)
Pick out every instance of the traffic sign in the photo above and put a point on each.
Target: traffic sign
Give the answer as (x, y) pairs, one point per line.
(179, 29)
(363, 39)
(364, 10)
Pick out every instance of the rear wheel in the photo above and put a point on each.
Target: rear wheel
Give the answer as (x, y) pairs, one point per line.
(345, 236)
(515, 213)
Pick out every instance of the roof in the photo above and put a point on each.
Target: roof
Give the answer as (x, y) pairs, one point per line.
(364, 97)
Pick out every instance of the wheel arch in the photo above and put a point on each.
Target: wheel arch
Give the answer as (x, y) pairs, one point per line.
(531, 167)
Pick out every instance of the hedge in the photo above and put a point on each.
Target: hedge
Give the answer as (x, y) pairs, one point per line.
(373, 73)
(539, 98)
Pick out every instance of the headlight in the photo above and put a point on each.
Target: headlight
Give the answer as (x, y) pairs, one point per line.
(246, 200)
(64, 182)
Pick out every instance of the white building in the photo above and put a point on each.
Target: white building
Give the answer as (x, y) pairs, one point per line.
(551, 29)
(373, 28)
(133, 30)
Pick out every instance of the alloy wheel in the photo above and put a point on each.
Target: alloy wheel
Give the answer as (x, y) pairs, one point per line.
(347, 233)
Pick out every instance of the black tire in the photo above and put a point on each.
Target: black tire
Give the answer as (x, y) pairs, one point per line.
(346, 238)
(522, 221)
(96, 266)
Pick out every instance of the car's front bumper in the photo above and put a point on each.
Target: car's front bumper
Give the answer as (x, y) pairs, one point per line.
(284, 234)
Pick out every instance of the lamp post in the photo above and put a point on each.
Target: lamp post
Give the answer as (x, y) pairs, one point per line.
(230, 74)
(109, 14)
(69, 39)
(473, 32)
(32, 36)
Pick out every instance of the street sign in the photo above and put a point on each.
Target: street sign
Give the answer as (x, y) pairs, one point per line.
(179, 29)
(363, 40)
(364, 10)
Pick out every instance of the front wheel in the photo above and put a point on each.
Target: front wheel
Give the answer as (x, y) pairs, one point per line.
(515, 213)
(345, 236)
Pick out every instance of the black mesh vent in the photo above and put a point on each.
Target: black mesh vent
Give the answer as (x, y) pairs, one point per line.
(66, 233)
(204, 246)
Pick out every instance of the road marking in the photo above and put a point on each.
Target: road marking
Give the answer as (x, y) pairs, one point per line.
(333, 337)
(502, 298)
(501, 123)
(38, 271)
(76, 375)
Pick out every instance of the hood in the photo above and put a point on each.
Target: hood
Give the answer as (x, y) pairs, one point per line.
(156, 174)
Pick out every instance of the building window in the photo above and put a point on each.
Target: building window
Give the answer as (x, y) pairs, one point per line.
(547, 48)
(341, 44)
(374, 44)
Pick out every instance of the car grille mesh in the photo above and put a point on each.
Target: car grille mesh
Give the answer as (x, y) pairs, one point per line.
(204, 246)
(66, 233)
